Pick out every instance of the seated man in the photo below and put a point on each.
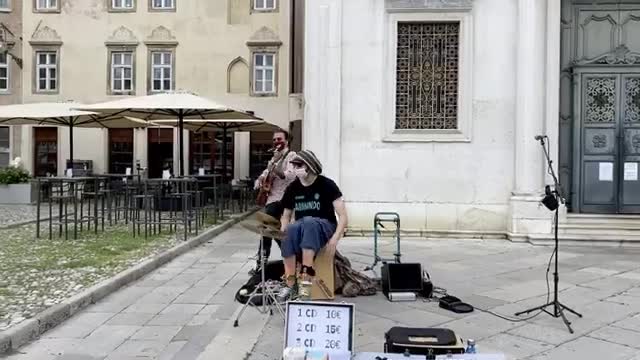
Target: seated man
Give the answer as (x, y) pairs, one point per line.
(315, 199)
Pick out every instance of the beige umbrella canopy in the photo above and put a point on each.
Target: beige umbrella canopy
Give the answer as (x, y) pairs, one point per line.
(179, 105)
(63, 114)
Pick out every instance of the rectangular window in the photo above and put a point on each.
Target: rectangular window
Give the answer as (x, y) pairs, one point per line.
(5, 140)
(161, 71)
(5, 5)
(121, 72)
(4, 72)
(46, 5)
(122, 4)
(427, 75)
(264, 4)
(163, 4)
(46, 71)
(263, 73)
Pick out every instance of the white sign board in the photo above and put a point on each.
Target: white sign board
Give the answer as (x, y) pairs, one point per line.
(319, 325)
(605, 172)
(631, 171)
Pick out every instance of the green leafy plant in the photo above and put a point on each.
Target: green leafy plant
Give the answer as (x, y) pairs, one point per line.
(14, 175)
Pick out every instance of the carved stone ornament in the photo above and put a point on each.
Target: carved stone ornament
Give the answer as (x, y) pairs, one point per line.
(161, 36)
(45, 35)
(264, 37)
(620, 56)
(122, 36)
(450, 5)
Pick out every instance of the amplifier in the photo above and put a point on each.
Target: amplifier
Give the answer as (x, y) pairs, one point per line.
(399, 277)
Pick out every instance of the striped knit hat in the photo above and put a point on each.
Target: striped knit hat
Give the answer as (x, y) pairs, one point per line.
(309, 159)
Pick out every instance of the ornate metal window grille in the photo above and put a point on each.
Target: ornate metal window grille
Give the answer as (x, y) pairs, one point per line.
(600, 100)
(427, 75)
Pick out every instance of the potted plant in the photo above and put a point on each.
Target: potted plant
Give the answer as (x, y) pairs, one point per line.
(15, 187)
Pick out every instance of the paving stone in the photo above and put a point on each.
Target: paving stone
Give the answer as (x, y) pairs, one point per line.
(632, 323)
(142, 308)
(513, 347)
(586, 348)
(169, 352)
(615, 284)
(417, 318)
(618, 335)
(521, 291)
(182, 309)
(105, 339)
(78, 357)
(209, 309)
(198, 339)
(139, 348)
(131, 318)
(161, 295)
(156, 333)
(198, 295)
(543, 334)
(79, 326)
(170, 319)
(632, 275)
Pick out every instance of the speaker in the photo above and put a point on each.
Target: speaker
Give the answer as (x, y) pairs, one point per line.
(398, 277)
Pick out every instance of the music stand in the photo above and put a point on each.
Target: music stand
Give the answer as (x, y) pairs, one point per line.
(551, 201)
(268, 288)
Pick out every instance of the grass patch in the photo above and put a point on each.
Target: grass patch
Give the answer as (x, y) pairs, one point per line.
(37, 273)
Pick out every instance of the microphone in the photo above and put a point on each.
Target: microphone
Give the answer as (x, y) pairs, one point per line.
(540, 137)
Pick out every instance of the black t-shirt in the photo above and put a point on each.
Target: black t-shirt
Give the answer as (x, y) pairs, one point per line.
(315, 200)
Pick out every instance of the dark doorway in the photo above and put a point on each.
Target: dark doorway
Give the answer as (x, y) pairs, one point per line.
(160, 152)
(120, 150)
(46, 151)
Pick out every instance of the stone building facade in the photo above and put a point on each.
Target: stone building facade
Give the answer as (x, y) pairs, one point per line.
(10, 73)
(233, 51)
(431, 109)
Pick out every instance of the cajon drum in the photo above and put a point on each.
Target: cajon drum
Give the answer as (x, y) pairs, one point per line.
(323, 285)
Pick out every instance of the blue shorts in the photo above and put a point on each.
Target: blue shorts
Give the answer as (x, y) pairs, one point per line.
(309, 233)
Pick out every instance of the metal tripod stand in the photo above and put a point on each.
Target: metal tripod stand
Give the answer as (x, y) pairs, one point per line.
(551, 201)
(266, 289)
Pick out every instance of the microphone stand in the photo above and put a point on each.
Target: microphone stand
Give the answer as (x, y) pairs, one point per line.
(554, 197)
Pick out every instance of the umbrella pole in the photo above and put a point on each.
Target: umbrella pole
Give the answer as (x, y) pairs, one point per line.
(181, 127)
(70, 147)
(224, 155)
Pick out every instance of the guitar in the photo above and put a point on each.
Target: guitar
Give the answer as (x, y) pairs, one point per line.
(265, 188)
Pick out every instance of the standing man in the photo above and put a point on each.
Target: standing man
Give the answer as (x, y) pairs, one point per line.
(274, 180)
(315, 199)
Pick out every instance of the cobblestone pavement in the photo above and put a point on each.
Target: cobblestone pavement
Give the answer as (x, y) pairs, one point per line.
(181, 309)
(601, 283)
(172, 313)
(18, 214)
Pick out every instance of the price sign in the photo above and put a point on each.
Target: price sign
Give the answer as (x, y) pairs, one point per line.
(319, 325)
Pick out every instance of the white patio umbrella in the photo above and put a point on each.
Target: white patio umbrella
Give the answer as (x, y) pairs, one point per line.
(63, 114)
(180, 105)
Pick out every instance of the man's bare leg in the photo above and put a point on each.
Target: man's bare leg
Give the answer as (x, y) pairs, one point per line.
(308, 256)
(290, 270)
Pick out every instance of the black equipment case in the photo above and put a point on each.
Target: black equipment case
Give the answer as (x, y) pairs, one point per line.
(422, 341)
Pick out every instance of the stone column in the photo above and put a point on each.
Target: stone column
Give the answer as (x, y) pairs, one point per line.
(526, 215)
(321, 127)
(530, 112)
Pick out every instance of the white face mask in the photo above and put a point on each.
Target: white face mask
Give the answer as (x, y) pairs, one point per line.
(301, 173)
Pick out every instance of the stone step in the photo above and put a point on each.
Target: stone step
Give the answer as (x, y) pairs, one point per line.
(606, 219)
(587, 239)
(612, 229)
